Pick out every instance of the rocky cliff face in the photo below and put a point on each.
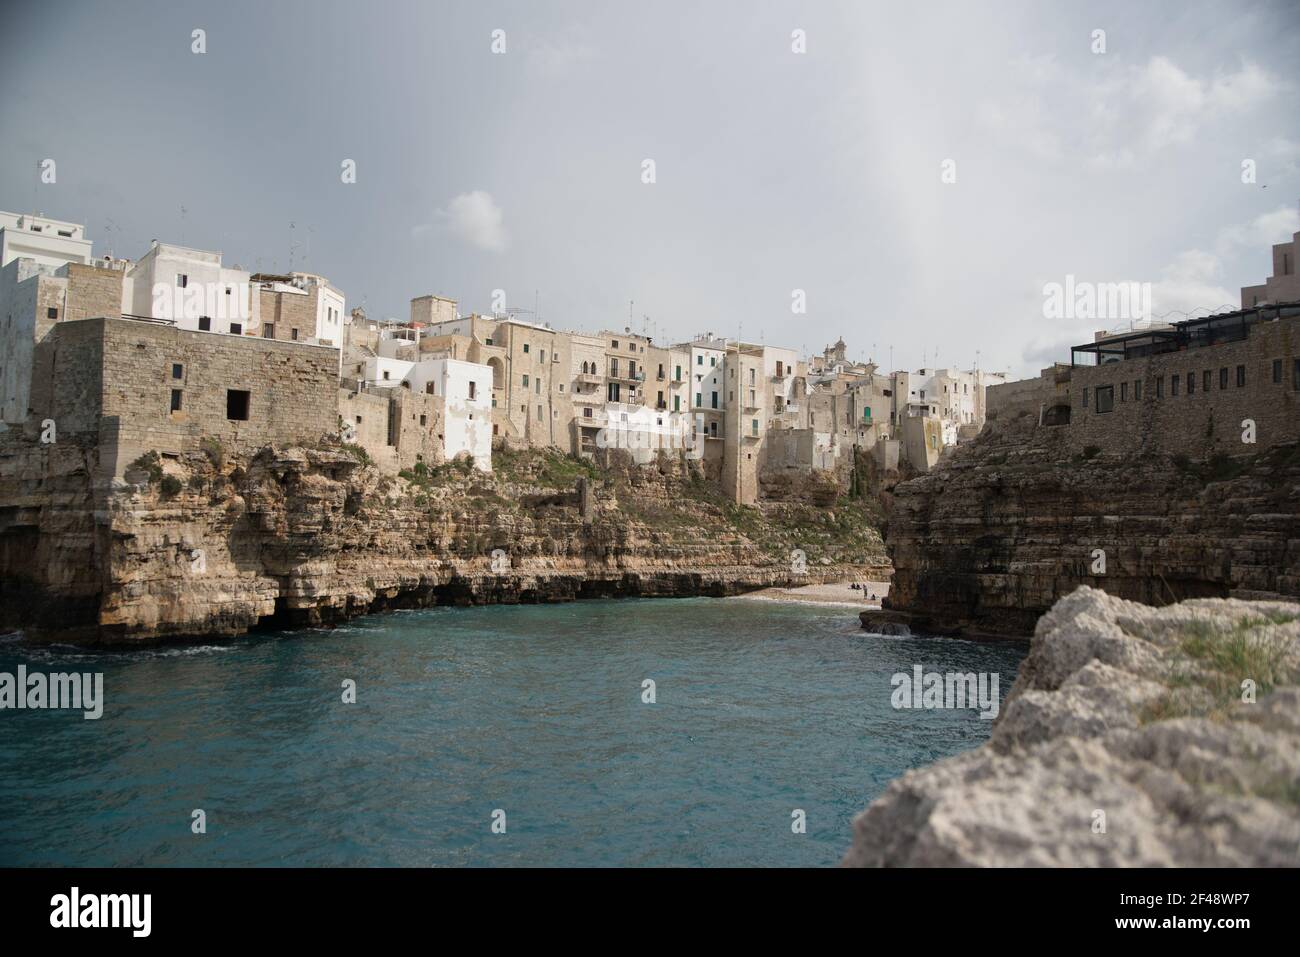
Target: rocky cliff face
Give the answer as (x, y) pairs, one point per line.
(211, 545)
(1125, 741)
(1012, 522)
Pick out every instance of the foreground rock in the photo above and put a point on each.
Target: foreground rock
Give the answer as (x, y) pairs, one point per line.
(1127, 716)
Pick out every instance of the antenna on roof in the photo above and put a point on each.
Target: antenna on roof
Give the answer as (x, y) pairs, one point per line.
(183, 225)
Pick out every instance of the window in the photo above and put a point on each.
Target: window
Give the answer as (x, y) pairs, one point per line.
(699, 400)
(1123, 391)
(613, 343)
(1085, 398)
(753, 427)
(539, 413)
(176, 400)
(385, 373)
(178, 370)
(293, 334)
(1173, 383)
(205, 324)
(677, 403)
(699, 360)
(561, 386)
(52, 312)
(677, 375)
(182, 280)
(473, 390)
(1137, 390)
(1206, 379)
(542, 355)
(1223, 378)
(424, 420)
(237, 404)
(713, 360)
(586, 412)
(1105, 398)
(1241, 376)
(1160, 387)
(1277, 371)
(538, 384)
(236, 328)
(525, 348)
(715, 400)
(268, 332)
(1191, 383)
(525, 380)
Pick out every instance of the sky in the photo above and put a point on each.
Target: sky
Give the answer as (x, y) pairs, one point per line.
(912, 174)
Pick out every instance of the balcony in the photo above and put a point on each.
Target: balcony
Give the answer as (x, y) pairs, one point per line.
(588, 378)
(587, 398)
(627, 376)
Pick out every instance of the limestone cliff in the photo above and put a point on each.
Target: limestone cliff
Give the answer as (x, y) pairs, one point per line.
(1013, 521)
(1125, 741)
(208, 544)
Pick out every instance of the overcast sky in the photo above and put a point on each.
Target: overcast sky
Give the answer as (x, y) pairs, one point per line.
(774, 170)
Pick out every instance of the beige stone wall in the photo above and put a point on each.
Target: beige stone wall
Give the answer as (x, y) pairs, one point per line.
(1199, 423)
(292, 389)
(282, 313)
(1203, 421)
(93, 292)
(1284, 284)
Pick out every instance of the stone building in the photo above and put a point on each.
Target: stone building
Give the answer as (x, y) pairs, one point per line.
(1283, 285)
(48, 276)
(133, 387)
(533, 374)
(298, 307)
(1224, 384)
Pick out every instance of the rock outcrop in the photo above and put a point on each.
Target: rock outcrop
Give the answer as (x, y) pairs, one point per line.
(213, 545)
(1125, 741)
(1012, 522)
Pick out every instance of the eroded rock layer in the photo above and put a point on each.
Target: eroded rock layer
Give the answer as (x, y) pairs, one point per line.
(1012, 522)
(210, 545)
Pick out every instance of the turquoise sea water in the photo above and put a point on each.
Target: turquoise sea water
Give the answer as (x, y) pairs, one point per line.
(535, 710)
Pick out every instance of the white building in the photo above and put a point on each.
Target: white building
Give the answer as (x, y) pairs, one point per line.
(707, 354)
(49, 242)
(191, 288)
(465, 387)
(331, 307)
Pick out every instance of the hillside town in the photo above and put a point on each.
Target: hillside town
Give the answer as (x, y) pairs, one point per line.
(183, 347)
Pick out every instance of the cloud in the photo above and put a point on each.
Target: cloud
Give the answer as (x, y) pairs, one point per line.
(1126, 113)
(561, 52)
(474, 218)
(1192, 282)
